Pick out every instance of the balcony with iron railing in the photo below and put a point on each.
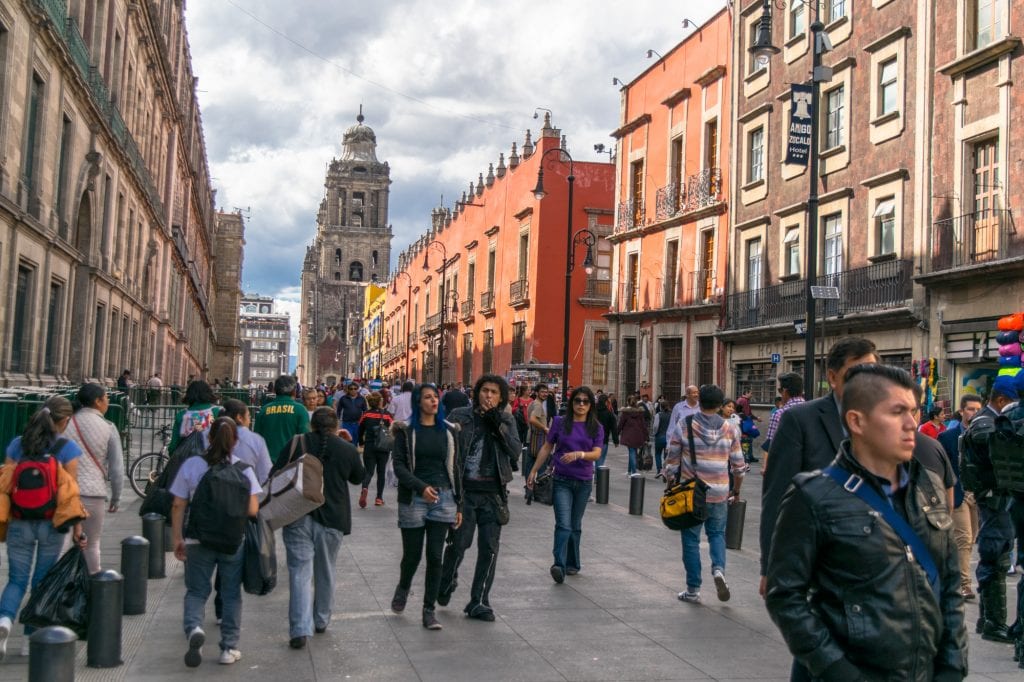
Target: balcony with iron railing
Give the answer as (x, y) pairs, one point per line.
(468, 310)
(433, 322)
(414, 340)
(873, 288)
(693, 290)
(699, 192)
(487, 302)
(981, 241)
(519, 293)
(597, 292)
(630, 216)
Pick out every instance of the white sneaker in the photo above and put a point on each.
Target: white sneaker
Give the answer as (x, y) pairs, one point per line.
(723, 589)
(25, 646)
(194, 655)
(5, 631)
(687, 596)
(229, 656)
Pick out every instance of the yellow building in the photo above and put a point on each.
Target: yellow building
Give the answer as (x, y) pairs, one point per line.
(373, 341)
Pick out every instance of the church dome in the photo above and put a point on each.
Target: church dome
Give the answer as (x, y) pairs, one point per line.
(359, 142)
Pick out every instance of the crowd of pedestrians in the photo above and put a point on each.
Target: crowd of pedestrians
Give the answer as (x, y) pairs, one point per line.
(869, 512)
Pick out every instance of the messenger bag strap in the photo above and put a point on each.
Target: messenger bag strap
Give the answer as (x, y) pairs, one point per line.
(85, 443)
(915, 547)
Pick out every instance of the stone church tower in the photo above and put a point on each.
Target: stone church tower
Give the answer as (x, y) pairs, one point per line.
(352, 248)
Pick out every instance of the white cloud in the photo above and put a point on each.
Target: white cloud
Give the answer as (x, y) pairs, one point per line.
(453, 85)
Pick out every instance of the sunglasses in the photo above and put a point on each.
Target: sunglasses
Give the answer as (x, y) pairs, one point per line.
(581, 401)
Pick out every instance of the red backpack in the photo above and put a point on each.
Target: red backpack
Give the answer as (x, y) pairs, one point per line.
(34, 486)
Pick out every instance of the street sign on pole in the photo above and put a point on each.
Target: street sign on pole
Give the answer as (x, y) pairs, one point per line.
(819, 293)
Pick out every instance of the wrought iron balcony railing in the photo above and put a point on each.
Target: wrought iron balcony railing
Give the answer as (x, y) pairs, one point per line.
(598, 290)
(975, 238)
(878, 286)
(518, 292)
(486, 301)
(414, 339)
(631, 215)
(468, 309)
(670, 201)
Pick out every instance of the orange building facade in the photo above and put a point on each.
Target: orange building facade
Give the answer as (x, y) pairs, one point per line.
(670, 238)
(487, 280)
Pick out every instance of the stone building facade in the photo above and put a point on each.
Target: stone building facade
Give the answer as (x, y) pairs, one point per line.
(873, 151)
(264, 341)
(106, 210)
(227, 254)
(352, 248)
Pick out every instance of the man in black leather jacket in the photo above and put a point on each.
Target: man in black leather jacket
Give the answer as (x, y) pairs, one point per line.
(849, 596)
(489, 450)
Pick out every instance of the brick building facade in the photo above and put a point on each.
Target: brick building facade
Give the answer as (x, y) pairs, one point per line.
(106, 210)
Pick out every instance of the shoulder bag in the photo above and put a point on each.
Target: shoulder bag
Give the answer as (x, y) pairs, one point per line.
(684, 503)
(294, 490)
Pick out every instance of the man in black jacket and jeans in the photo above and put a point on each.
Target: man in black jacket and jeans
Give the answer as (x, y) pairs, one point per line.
(854, 596)
(488, 450)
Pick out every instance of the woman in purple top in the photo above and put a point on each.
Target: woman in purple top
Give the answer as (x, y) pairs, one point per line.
(576, 445)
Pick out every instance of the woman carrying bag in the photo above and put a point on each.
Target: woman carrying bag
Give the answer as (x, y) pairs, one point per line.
(574, 444)
(429, 496)
(374, 425)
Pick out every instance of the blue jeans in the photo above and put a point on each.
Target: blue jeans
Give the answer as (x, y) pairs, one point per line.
(659, 448)
(714, 527)
(28, 540)
(353, 430)
(632, 459)
(604, 454)
(312, 550)
(199, 565)
(570, 497)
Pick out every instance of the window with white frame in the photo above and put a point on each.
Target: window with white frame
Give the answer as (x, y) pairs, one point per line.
(755, 155)
(833, 229)
(791, 251)
(797, 17)
(986, 17)
(753, 271)
(835, 124)
(885, 226)
(834, 10)
(888, 94)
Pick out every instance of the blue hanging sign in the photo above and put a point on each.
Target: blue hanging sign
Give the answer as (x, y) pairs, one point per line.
(801, 119)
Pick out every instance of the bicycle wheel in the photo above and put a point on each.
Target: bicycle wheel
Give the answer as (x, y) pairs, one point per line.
(145, 471)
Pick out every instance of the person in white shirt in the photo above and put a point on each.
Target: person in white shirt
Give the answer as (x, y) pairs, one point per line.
(400, 406)
(250, 448)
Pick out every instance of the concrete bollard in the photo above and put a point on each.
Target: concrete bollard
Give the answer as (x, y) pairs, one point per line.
(602, 477)
(135, 569)
(105, 606)
(153, 531)
(51, 655)
(636, 494)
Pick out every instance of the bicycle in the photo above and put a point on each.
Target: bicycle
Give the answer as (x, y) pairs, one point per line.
(147, 468)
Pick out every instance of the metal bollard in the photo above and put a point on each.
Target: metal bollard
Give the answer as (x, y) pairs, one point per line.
(153, 531)
(636, 494)
(51, 655)
(168, 537)
(602, 478)
(135, 569)
(105, 606)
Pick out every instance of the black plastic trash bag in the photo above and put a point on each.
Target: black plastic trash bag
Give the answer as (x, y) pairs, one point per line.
(259, 570)
(62, 596)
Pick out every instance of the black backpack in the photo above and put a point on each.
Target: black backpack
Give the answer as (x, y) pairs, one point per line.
(219, 508)
(158, 498)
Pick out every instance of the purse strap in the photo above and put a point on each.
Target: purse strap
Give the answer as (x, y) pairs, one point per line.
(298, 440)
(85, 444)
(915, 548)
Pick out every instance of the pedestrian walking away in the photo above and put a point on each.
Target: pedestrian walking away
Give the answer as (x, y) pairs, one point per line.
(633, 431)
(38, 519)
(707, 448)
(101, 469)
(312, 542)
(573, 444)
(200, 411)
(250, 447)
(429, 496)
(662, 419)
(282, 418)
(863, 576)
(372, 424)
(606, 418)
(219, 492)
(489, 448)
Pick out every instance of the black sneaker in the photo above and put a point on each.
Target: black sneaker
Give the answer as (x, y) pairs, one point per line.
(445, 596)
(557, 574)
(398, 601)
(297, 642)
(430, 621)
(320, 629)
(480, 612)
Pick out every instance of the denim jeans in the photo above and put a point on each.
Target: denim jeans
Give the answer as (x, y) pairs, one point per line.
(312, 549)
(353, 430)
(714, 527)
(200, 563)
(659, 449)
(604, 454)
(28, 541)
(632, 459)
(570, 497)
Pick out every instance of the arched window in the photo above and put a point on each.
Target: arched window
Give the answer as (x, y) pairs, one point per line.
(373, 260)
(355, 271)
(337, 256)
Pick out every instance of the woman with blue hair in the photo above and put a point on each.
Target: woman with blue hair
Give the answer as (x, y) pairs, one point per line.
(429, 495)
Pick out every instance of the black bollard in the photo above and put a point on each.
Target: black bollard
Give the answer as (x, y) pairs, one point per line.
(153, 531)
(51, 655)
(168, 538)
(135, 569)
(636, 494)
(105, 606)
(602, 477)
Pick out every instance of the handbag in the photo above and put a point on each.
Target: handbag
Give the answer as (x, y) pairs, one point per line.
(543, 491)
(644, 458)
(385, 440)
(295, 490)
(684, 503)
(259, 571)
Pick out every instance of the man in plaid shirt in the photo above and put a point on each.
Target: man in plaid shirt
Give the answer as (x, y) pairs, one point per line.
(791, 388)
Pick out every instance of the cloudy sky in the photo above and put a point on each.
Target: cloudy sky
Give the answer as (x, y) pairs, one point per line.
(446, 86)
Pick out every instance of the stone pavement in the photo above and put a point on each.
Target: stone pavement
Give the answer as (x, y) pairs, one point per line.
(619, 619)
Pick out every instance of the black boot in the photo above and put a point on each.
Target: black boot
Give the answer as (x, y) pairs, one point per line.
(993, 598)
(430, 620)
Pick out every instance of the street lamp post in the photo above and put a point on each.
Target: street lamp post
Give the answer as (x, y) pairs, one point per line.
(583, 236)
(763, 50)
(408, 310)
